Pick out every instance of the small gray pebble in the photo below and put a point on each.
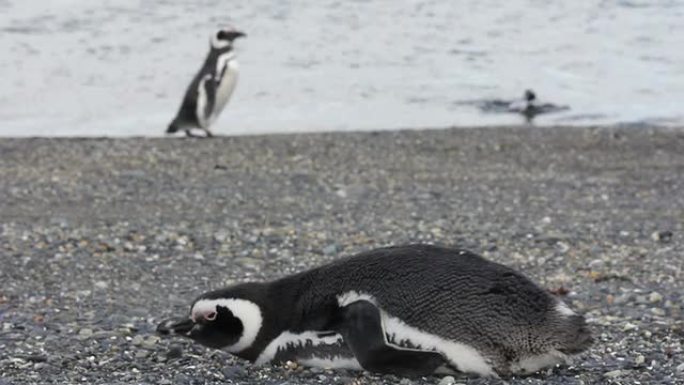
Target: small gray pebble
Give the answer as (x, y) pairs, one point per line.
(448, 380)
(181, 379)
(233, 372)
(662, 236)
(613, 373)
(35, 358)
(138, 340)
(85, 333)
(150, 342)
(330, 249)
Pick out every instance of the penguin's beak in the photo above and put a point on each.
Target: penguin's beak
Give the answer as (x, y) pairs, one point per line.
(240, 34)
(180, 326)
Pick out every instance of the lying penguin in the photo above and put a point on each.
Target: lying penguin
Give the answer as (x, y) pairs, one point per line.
(410, 310)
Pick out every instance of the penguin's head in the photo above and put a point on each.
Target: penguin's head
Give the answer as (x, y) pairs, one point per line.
(220, 319)
(224, 37)
(530, 95)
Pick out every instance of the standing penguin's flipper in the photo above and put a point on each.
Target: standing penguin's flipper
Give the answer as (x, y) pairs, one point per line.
(361, 327)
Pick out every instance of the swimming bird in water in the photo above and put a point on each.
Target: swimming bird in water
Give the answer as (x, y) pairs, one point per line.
(211, 88)
(527, 106)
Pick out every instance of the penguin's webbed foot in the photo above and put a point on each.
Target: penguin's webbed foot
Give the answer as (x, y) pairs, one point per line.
(361, 328)
(191, 134)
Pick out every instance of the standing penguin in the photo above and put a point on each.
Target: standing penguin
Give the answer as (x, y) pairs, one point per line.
(211, 88)
(411, 310)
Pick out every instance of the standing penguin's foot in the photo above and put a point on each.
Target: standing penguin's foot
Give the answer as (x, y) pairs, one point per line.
(190, 134)
(361, 327)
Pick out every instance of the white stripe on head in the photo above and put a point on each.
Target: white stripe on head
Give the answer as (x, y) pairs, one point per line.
(217, 43)
(247, 312)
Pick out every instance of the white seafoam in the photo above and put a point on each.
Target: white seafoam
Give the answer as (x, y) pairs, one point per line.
(120, 67)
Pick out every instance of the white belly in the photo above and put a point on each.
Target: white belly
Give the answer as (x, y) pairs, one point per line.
(302, 348)
(464, 357)
(225, 87)
(400, 335)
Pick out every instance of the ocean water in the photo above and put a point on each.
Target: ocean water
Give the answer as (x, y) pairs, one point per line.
(120, 67)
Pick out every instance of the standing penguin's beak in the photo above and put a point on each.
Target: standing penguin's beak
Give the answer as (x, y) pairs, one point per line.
(229, 34)
(180, 326)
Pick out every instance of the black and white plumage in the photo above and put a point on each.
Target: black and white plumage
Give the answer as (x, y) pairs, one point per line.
(530, 108)
(527, 106)
(211, 88)
(408, 310)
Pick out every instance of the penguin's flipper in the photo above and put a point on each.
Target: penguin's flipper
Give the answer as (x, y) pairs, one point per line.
(210, 93)
(205, 101)
(361, 328)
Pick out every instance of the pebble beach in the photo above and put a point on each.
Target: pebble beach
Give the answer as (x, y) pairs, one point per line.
(100, 239)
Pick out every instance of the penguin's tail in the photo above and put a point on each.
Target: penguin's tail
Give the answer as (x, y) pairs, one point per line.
(575, 335)
(172, 128)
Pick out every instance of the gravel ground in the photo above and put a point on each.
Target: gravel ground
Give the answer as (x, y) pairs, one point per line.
(100, 239)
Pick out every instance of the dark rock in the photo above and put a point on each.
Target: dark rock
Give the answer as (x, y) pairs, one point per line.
(174, 352)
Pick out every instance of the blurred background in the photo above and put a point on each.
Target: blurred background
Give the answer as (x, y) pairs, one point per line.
(120, 67)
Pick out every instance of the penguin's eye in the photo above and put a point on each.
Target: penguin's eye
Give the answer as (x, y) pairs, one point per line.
(210, 316)
(221, 35)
